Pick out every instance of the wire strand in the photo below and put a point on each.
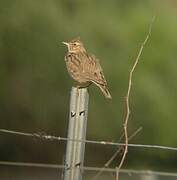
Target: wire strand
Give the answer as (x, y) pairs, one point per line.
(86, 168)
(58, 138)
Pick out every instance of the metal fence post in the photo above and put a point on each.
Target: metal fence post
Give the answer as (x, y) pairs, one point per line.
(76, 131)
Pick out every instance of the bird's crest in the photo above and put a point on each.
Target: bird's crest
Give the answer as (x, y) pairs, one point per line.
(77, 39)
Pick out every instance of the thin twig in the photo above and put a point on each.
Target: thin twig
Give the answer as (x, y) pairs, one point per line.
(107, 164)
(127, 100)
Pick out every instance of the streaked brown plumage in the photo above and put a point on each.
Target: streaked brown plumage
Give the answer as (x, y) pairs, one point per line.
(83, 68)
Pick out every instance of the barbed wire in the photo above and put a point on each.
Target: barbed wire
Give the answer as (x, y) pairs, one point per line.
(87, 168)
(115, 154)
(43, 136)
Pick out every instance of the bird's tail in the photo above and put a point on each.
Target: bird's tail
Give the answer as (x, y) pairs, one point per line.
(105, 91)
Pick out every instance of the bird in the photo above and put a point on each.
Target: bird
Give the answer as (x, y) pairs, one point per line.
(84, 68)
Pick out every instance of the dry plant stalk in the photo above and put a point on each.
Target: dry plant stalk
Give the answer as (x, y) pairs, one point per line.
(107, 164)
(128, 97)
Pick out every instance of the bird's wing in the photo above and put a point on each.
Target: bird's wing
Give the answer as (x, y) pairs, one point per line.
(94, 70)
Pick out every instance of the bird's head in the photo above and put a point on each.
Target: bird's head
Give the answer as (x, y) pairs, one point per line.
(75, 46)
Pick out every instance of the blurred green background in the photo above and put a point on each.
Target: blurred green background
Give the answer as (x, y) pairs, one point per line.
(35, 86)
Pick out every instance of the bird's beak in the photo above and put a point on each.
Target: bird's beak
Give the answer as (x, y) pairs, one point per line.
(65, 43)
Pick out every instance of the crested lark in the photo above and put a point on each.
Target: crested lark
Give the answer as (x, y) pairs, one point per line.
(85, 69)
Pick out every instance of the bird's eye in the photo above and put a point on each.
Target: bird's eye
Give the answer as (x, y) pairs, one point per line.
(74, 44)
